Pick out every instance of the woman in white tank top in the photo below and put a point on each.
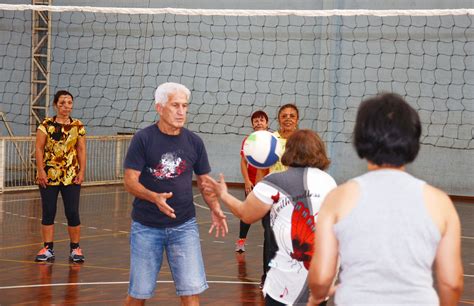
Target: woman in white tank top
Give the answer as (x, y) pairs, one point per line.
(389, 228)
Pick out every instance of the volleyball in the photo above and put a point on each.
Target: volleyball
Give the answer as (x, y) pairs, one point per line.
(262, 149)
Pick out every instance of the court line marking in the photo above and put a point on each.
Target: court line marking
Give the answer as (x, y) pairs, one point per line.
(120, 232)
(59, 196)
(126, 232)
(64, 240)
(93, 228)
(164, 269)
(205, 207)
(82, 195)
(95, 194)
(56, 263)
(123, 283)
(116, 283)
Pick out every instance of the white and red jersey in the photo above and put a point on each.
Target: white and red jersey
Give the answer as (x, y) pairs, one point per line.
(296, 196)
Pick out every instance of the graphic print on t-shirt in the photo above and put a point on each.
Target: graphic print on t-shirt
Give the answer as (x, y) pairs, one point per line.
(276, 197)
(302, 234)
(170, 166)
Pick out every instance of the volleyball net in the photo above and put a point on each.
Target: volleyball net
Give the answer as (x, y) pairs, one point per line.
(235, 62)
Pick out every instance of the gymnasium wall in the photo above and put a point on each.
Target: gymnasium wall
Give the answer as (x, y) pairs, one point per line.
(449, 169)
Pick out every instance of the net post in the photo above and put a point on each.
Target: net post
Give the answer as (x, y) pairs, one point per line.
(40, 64)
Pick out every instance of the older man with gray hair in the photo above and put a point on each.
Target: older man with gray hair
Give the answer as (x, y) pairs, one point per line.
(159, 167)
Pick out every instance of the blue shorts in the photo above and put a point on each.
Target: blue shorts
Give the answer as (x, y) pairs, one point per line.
(183, 250)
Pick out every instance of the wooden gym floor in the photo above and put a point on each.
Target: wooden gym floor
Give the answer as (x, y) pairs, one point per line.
(103, 279)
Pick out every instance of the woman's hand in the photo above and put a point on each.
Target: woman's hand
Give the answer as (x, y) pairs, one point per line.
(248, 186)
(42, 178)
(210, 185)
(79, 178)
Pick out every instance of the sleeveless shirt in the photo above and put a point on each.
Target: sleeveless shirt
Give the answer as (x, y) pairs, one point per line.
(387, 243)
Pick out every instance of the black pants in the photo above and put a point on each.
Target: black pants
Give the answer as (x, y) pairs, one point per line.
(49, 199)
(244, 229)
(267, 238)
(271, 302)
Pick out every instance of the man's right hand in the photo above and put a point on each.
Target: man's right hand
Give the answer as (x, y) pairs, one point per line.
(160, 202)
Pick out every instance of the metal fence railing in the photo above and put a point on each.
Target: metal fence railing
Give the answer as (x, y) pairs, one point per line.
(105, 156)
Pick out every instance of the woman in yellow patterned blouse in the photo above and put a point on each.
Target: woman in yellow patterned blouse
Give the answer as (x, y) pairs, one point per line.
(61, 164)
(288, 116)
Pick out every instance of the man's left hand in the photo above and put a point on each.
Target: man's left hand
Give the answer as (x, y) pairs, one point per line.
(219, 223)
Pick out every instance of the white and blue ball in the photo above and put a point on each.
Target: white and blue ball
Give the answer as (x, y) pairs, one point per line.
(262, 149)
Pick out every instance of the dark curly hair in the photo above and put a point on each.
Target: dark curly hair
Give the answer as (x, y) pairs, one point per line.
(387, 130)
(60, 93)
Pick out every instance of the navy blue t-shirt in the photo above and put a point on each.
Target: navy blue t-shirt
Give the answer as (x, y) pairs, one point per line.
(166, 163)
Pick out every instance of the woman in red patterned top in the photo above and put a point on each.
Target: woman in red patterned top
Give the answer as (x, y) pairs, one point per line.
(249, 173)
